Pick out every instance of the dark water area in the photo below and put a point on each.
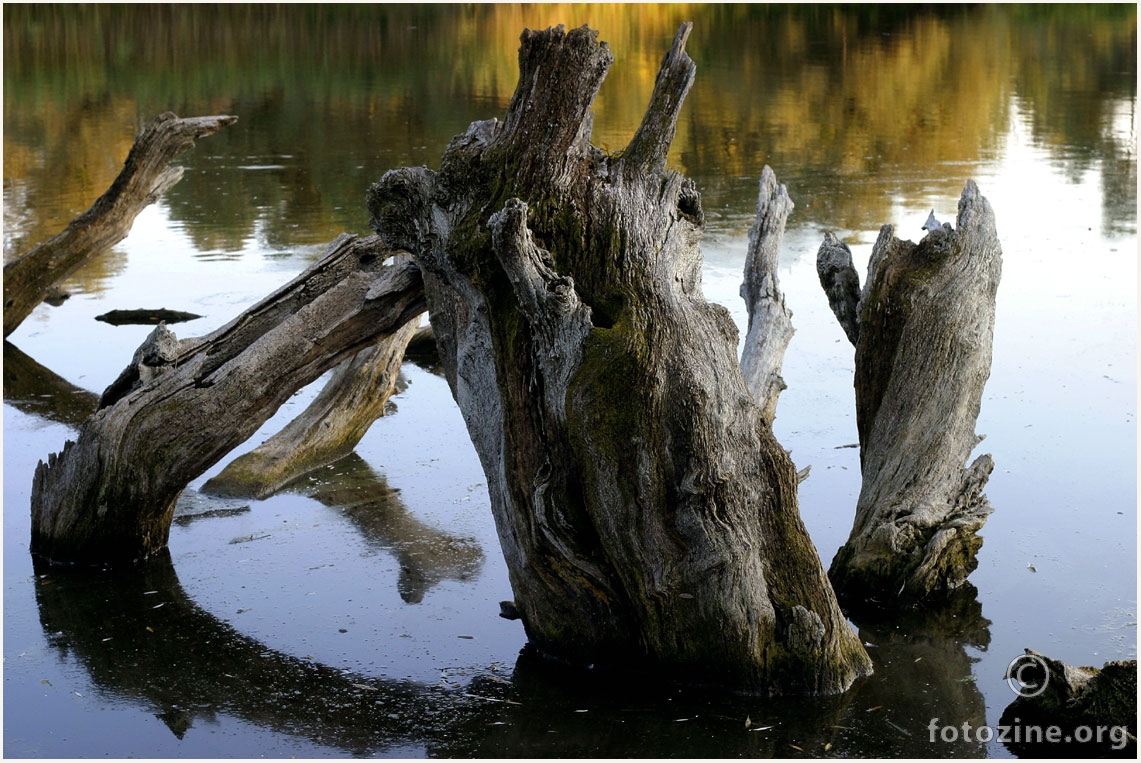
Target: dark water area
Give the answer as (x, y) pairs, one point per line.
(356, 611)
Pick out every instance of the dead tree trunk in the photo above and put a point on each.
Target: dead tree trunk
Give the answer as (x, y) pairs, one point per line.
(182, 405)
(770, 321)
(922, 328)
(328, 429)
(646, 512)
(146, 175)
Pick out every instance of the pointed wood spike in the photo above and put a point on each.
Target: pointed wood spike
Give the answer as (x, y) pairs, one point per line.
(648, 148)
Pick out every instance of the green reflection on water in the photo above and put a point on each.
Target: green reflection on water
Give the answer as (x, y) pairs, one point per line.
(853, 106)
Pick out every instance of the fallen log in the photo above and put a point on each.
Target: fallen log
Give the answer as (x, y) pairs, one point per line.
(770, 321)
(328, 429)
(182, 405)
(647, 514)
(922, 328)
(145, 177)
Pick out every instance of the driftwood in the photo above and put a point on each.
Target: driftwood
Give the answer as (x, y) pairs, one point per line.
(1100, 702)
(182, 405)
(146, 175)
(922, 328)
(770, 321)
(328, 429)
(646, 511)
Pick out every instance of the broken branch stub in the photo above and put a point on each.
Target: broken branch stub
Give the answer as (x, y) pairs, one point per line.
(770, 320)
(646, 512)
(146, 175)
(183, 404)
(923, 354)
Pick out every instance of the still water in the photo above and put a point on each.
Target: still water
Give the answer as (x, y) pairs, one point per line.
(356, 612)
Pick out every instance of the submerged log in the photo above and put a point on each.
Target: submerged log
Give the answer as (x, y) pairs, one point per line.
(182, 405)
(770, 321)
(647, 514)
(144, 317)
(328, 429)
(922, 328)
(146, 175)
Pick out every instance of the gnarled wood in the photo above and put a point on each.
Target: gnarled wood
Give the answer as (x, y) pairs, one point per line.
(329, 427)
(182, 405)
(146, 175)
(923, 352)
(770, 321)
(646, 512)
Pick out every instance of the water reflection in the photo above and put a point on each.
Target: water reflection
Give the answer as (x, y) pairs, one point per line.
(39, 391)
(426, 555)
(852, 105)
(140, 637)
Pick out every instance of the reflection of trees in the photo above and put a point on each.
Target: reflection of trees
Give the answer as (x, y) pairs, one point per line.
(843, 101)
(426, 555)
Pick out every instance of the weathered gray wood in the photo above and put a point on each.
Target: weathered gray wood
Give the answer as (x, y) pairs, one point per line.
(923, 353)
(646, 512)
(146, 175)
(329, 427)
(770, 320)
(182, 405)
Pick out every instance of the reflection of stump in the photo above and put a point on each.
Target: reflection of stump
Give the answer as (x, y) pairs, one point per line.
(182, 405)
(922, 329)
(426, 555)
(329, 427)
(146, 175)
(647, 514)
(40, 391)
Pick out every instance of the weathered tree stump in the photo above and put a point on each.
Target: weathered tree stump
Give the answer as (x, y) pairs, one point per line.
(922, 328)
(770, 321)
(329, 427)
(647, 514)
(182, 405)
(146, 175)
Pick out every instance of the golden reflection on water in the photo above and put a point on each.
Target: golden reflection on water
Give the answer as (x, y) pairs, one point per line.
(855, 107)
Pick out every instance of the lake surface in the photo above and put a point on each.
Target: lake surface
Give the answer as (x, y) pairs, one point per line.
(356, 612)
